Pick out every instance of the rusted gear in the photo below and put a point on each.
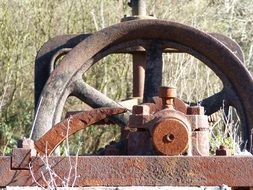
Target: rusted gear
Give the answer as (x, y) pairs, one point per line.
(154, 36)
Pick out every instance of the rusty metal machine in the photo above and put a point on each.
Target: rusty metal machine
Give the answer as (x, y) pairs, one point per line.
(164, 140)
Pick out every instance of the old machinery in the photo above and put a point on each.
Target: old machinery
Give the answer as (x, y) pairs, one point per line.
(164, 140)
(161, 128)
(156, 36)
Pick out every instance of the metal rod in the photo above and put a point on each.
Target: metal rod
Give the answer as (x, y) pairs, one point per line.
(139, 59)
(139, 62)
(138, 7)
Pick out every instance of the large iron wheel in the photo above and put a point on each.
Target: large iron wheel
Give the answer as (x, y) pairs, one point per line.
(154, 36)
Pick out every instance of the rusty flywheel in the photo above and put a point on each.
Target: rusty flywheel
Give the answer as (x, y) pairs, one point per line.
(162, 124)
(155, 36)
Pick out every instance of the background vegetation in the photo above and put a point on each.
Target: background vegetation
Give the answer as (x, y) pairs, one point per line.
(25, 25)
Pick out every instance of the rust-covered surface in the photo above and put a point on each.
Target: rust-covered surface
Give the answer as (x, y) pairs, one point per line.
(163, 125)
(237, 81)
(171, 137)
(135, 170)
(51, 140)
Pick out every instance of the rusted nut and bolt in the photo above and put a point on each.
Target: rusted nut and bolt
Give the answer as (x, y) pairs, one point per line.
(141, 110)
(140, 115)
(222, 151)
(168, 94)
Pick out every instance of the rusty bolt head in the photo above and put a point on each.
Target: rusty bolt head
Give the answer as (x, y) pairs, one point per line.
(141, 109)
(195, 110)
(140, 115)
(167, 92)
(222, 151)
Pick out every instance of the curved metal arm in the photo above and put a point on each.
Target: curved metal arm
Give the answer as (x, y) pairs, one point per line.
(56, 135)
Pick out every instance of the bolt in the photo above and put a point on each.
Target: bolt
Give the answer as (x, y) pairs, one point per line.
(222, 151)
(141, 110)
(140, 115)
(167, 94)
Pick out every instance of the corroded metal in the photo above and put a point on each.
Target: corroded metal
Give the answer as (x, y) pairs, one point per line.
(231, 44)
(55, 47)
(43, 61)
(222, 151)
(155, 37)
(171, 137)
(216, 55)
(96, 99)
(163, 125)
(130, 171)
(138, 143)
(170, 131)
(167, 94)
(52, 139)
(21, 158)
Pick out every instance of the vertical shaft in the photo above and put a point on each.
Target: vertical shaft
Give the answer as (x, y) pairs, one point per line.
(138, 7)
(139, 58)
(139, 62)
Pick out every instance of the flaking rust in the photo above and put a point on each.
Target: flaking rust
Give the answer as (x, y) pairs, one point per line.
(181, 169)
(136, 171)
(57, 134)
(165, 141)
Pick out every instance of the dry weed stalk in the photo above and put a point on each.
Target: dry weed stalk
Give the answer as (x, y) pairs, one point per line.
(50, 182)
(225, 130)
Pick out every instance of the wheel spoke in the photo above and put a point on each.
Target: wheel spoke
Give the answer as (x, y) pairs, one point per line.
(96, 99)
(222, 99)
(214, 103)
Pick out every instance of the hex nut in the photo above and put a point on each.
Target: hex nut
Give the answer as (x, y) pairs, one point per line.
(141, 109)
(222, 151)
